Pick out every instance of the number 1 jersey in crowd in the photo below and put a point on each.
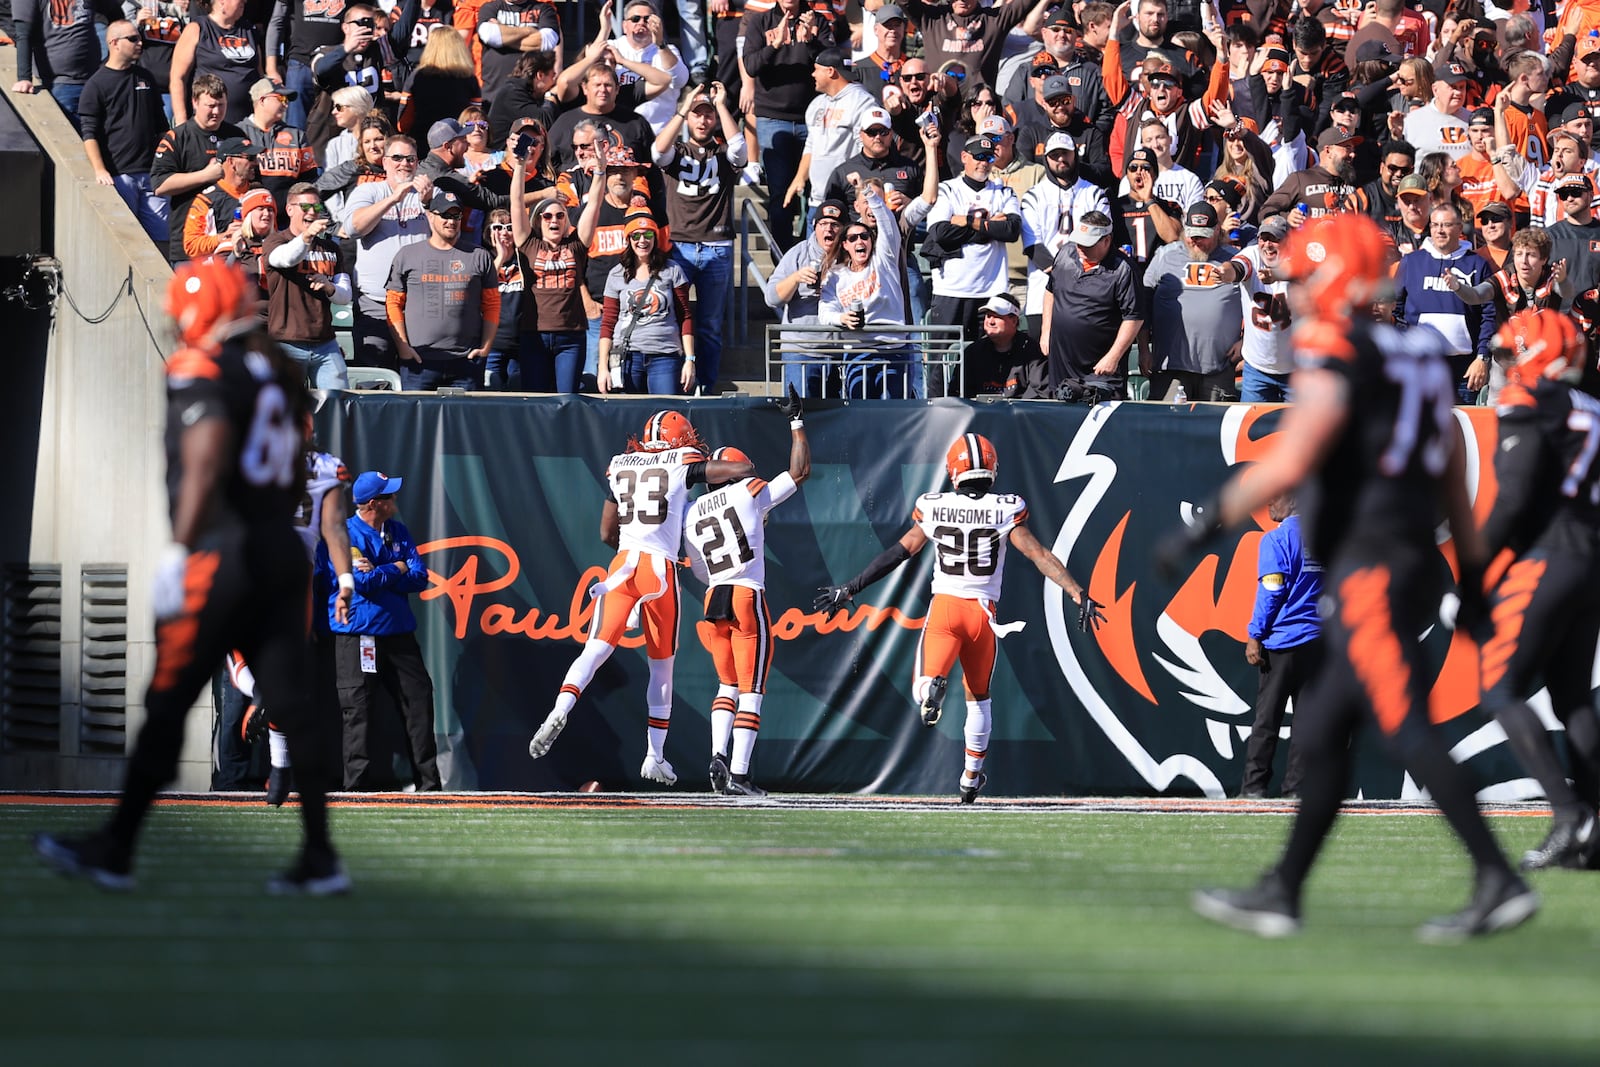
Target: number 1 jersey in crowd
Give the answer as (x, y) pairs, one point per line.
(969, 533)
(652, 493)
(725, 531)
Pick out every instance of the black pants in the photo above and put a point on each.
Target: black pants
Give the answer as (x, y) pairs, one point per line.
(1547, 621)
(400, 673)
(1283, 676)
(1381, 597)
(248, 588)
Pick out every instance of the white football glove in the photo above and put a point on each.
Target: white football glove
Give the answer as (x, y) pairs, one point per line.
(166, 592)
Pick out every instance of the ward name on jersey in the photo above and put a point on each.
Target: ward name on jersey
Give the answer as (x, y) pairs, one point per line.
(970, 535)
(725, 531)
(651, 490)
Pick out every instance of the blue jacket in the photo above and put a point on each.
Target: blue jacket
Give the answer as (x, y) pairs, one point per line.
(1423, 300)
(381, 606)
(1287, 615)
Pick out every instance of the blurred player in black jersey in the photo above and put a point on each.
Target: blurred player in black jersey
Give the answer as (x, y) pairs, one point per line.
(236, 573)
(1546, 615)
(1371, 444)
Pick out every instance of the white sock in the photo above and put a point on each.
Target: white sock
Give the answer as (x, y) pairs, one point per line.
(745, 727)
(582, 672)
(658, 702)
(722, 710)
(279, 745)
(977, 729)
(919, 688)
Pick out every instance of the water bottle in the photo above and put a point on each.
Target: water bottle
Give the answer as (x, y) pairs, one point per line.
(1127, 250)
(1234, 235)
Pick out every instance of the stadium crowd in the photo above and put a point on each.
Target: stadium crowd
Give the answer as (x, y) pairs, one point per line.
(1135, 168)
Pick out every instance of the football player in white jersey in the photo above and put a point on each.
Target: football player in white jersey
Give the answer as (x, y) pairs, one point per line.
(643, 520)
(725, 532)
(322, 517)
(970, 529)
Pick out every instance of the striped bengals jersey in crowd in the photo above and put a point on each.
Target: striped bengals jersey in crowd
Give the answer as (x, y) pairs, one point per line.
(725, 531)
(970, 535)
(651, 490)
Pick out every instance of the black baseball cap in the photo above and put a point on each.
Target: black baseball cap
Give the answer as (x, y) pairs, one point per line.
(832, 209)
(1200, 220)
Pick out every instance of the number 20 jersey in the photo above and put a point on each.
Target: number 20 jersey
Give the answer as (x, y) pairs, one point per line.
(652, 493)
(725, 531)
(969, 535)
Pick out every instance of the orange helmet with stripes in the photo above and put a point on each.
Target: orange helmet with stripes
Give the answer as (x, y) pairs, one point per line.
(205, 296)
(667, 430)
(1545, 344)
(1340, 258)
(972, 459)
(731, 454)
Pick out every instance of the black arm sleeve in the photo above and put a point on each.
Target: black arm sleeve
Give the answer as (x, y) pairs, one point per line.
(697, 474)
(882, 564)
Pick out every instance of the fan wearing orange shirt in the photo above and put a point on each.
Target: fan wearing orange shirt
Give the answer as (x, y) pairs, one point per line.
(1482, 179)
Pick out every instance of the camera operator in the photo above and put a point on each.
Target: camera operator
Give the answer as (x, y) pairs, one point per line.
(302, 281)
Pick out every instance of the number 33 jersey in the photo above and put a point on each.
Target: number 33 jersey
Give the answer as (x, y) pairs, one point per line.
(969, 535)
(652, 492)
(724, 530)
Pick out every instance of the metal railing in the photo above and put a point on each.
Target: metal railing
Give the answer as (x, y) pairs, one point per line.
(872, 363)
(747, 267)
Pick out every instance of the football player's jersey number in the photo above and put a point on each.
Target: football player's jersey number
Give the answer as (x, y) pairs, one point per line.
(271, 452)
(642, 496)
(714, 532)
(975, 552)
(1585, 418)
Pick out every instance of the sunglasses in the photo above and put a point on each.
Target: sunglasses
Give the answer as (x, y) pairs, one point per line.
(857, 238)
(1571, 194)
(1139, 168)
(1043, 72)
(448, 216)
(982, 157)
(914, 77)
(958, 75)
(1405, 81)
(552, 216)
(645, 236)
(130, 37)
(499, 227)
(402, 159)
(877, 131)
(637, 18)
(475, 125)
(587, 146)
(313, 208)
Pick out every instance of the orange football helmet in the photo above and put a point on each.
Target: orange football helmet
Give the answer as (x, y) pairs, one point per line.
(731, 454)
(1340, 258)
(1545, 344)
(971, 459)
(667, 430)
(206, 296)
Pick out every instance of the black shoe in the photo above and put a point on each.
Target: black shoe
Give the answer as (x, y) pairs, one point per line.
(1266, 909)
(1252, 794)
(279, 782)
(94, 858)
(1499, 902)
(1566, 845)
(719, 773)
(933, 703)
(253, 727)
(969, 793)
(315, 875)
(740, 785)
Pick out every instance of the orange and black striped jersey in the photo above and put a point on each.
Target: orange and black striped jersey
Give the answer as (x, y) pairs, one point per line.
(1548, 481)
(1379, 482)
(261, 396)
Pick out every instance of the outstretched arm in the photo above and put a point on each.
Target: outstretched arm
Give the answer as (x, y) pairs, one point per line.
(1049, 565)
(832, 597)
(799, 447)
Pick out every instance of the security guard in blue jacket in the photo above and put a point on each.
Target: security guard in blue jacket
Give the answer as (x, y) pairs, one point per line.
(1285, 642)
(377, 647)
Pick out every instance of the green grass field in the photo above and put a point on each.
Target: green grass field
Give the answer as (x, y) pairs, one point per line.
(763, 935)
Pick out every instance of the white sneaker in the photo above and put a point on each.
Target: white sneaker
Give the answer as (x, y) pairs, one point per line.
(657, 770)
(553, 725)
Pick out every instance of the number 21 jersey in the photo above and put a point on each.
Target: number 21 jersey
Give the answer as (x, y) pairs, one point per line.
(725, 531)
(969, 535)
(652, 492)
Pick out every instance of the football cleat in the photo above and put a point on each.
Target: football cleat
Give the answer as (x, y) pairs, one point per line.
(740, 785)
(1499, 902)
(933, 703)
(1566, 845)
(93, 858)
(658, 770)
(253, 727)
(551, 729)
(278, 785)
(1266, 909)
(719, 773)
(321, 875)
(969, 793)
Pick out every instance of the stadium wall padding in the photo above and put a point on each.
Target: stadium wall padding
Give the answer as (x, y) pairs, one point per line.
(504, 495)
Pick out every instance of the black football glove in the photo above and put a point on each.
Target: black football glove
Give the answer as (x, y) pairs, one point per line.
(790, 405)
(1089, 614)
(1177, 546)
(831, 598)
